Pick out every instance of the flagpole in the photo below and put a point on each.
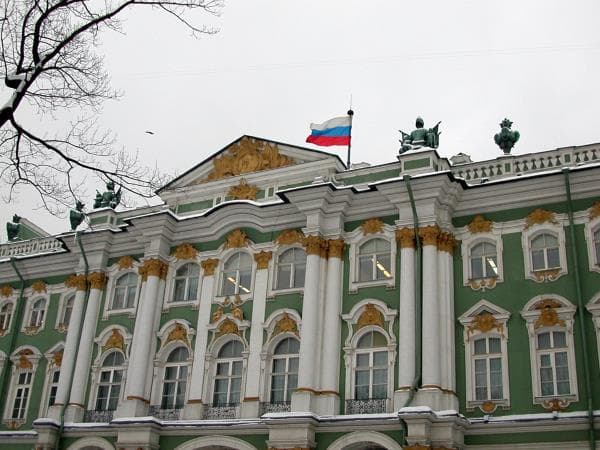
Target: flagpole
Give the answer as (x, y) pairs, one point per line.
(350, 114)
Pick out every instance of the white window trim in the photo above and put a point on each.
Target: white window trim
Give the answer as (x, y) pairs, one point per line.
(51, 367)
(174, 266)
(351, 319)
(25, 327)
(95, 376)
(12, 300)
(223, 258)
(593, 307)
(589, 229)
(565, 313)
(272, 287)
(211, 364)
(267, 357)
(34, 359)
(354, 240)
(114, 274)
(467, 244)
(501, 317)
(531, 233)
(62, 303)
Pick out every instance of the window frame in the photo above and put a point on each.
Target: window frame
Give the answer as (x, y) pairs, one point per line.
(187, 363)
(26, 326)
(6, 329)
(60, 325)
(273, 288)
(172, 283)
(356, 239)
(114, 274)
(470, 240)
(472, 331)
(592, 226)
(593, 307)
(270, 361)
(99, 369)
(222, 261)
(564, 322)
(213, 371)
(16, 371)
(546, 274)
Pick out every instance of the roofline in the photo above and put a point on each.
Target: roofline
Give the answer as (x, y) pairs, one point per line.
(205, 160)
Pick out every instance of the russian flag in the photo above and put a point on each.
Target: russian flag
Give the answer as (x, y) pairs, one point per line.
(335, 131)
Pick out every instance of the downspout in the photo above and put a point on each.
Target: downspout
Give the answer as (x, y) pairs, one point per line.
(581, 312)
(418, 304)
(85, 302)
(15, 329)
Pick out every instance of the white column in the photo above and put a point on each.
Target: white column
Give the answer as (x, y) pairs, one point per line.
(332, 323)
(406, 337)
(431, 318)
(70, 351)
(443, 308)
(76, 407)
(250, 405)
(137, 389)
(303, 398)
(447, 343)
(194, 406)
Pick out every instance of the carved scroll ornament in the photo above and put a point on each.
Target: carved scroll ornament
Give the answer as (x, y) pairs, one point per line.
(485, 322)
(185, 251)
(370, 316)
(479, 224)
(262, 259)
(39, 287)
(125, 262)
(115, 340)
(371, 226)
(285, 325)
(243, 191)
(539, 216)
(6, 290)
(236, 239)
(405, 237)
(289, 237)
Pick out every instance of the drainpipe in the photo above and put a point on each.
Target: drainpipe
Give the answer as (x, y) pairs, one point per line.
(418, 304)
(581, 312)
(15, 329)
(85, 302)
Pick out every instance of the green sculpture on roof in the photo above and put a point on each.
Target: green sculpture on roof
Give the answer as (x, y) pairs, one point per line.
(76, 215)
(420, 137)
(12, 228)
(109, 198)
(507, 138)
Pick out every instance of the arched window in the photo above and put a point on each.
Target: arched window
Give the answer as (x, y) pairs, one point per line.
(38, 310)
(67, 311)
(228, 376)
(374, 260)
(487, 367)
(484, 261)
(371, 367)
(237, 274)
(597, 245)
(186, 283)
(109, 382)
(125, 290)
(291, 267)
(175, 379)
(544, 252)
(5, 316)
(553, 363)
(284, 370)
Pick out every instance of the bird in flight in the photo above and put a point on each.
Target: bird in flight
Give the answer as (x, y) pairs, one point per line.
(149, 132)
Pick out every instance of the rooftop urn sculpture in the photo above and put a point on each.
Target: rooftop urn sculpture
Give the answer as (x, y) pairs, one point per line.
(420, 137)
(76, 215)
(109, 198)
(12, 228)
(507, 138)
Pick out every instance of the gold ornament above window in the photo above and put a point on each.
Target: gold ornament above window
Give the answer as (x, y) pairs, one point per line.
(539, 216)
(185, 251)
(39, 287)
(77, 281)
(209, 265)
(6, 290)
(125, 262)
(485, 322)
(57, 358)
(548, 318)
(262, 259)
(236, 239)
(370, 316)
(480, 225)
(243, 191)
(178, 333)
(371, 226)
(285, 325)
(595, 210)
(115, 340)
(246, 156)
(24, 362)
(228, 326)
(289, 237)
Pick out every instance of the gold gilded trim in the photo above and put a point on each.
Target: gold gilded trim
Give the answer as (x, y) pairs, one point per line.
(76, 281)
(57, 358)
(6, 290)
(178, 333)
(446, 242)
(125, 262)
(209, 265)
(185, 251)
(97, 280)
(546, 275)
(482, 283)
(480, 224)
(115, 340)
(289, 237)
(314, 245)
(243, 191)
(153, 268)
(262, 259)
(405, 237)
(429, 234)
(485, 322)
(539, 216)
(556, 404)
(335, 248)
(371, 226)
(228, 326)
(595, 210)
(24, 362)
(246, 156)
(284, 325)
(39, 287)
(370, 316)
(236, 239)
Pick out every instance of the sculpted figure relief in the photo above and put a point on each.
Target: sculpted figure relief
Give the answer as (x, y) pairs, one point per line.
(420, 137)
(108, 198)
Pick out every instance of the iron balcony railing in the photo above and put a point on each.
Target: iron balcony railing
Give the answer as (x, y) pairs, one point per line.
(165, 413)
(222, 411)
(98, 415)
(275, 407)
(367, 406)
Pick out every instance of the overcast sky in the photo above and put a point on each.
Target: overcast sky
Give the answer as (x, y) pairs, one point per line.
(276, 66)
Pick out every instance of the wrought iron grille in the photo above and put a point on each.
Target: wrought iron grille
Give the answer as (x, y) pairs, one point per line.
(165, 414)
(98, 415)
(217, 412)
(274, 407)
(366, 406)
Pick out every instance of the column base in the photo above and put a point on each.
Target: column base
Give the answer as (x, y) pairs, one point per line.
(139, 437)
(193, 411)
(430, 396)
(304, 400)
(54, 412)
(292, 436)
(400, 398)
(250, 409)
(132, 407)
(74, 413)
(328, 404)
(47, 437)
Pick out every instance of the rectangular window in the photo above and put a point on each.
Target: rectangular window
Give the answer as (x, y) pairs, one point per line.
(22, 395)
(553, 363)
(487, 367)
(53, 387)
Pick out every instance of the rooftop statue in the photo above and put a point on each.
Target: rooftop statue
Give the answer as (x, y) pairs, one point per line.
(108, 198)
(76, 215)
(507, 138)
(12, 228)
(421, 137)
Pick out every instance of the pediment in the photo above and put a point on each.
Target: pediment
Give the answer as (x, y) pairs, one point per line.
(249, 155)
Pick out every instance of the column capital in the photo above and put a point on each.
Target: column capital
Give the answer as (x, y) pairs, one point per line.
(153, 268)
(209, 265)
(97, 280)
(429, 234)
(78, 282)
(446, 242)
(405, 237)
(262, 259)
(315, 245)
(335, 248)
